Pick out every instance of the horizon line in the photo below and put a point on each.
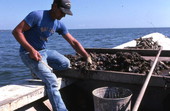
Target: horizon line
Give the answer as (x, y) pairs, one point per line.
(103, 28)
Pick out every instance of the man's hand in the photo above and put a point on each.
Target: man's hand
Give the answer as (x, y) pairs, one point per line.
(35, 55)
(88, 60)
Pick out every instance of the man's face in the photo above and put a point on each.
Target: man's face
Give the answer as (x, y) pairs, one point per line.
(60, 14)
(57, 13)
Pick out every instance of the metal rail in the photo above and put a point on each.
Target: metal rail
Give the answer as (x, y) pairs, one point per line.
(142, 92)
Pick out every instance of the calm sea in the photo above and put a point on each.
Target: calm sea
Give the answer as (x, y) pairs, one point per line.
(12, 69)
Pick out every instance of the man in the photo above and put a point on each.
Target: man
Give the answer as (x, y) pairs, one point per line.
(32, 33)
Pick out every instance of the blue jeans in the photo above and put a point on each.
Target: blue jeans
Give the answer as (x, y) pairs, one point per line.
(57, 62)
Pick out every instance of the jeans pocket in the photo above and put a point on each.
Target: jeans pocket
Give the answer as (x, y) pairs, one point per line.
(30, 63)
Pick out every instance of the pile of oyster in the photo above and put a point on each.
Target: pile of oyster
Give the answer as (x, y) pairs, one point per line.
(145, 43)
(121, 61)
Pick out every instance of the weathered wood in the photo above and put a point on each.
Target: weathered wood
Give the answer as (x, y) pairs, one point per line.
(142, 52)
(18, 95)
(42, 104)
(113, 76)
(25, 92)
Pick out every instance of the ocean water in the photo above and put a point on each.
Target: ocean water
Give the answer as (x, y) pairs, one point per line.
(12, 69)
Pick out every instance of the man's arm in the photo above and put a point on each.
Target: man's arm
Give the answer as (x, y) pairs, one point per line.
(77, 46)
(19, 36)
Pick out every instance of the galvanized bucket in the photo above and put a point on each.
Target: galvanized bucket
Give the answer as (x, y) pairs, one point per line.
(112, 99)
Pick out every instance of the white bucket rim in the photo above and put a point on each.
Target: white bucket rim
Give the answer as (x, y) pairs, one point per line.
(106, 87)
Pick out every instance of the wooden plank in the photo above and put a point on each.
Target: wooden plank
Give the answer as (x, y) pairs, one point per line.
(142, 52)
(113, 76)
(18, 95)
(42, 104)
(153, 58)
(25, 92)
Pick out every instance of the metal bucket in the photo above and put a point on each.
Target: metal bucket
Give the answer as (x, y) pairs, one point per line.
(112, 99)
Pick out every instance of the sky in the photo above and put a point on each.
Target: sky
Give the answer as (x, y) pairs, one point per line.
(93, 13)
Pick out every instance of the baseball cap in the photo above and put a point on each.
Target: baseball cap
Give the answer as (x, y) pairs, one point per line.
(64, 5)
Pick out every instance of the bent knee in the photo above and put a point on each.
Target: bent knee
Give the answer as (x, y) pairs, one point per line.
(66, 64)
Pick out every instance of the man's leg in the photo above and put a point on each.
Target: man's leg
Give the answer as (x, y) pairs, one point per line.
(57, 61)
(49, 78)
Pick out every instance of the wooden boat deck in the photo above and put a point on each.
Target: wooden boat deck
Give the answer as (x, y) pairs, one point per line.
(17, 95)
(122, 77)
